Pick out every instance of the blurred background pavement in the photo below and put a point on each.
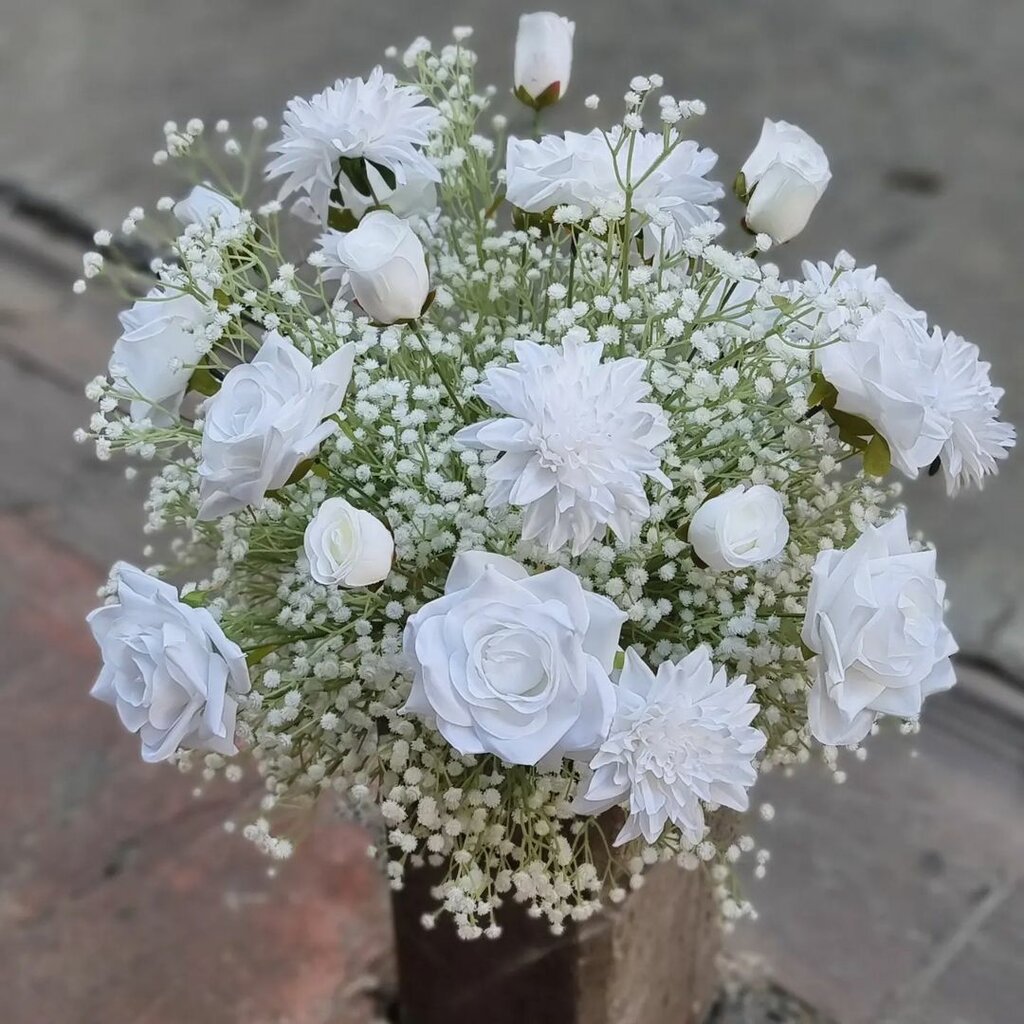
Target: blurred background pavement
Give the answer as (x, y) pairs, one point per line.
(895, 898)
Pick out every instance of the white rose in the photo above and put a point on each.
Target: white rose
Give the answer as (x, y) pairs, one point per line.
(203, 206)
(543, 58)
(381, 265)
(161, 342)
(785, 175)
(888, 375)
(742, 527)
(346, 546)
(267, 417)
(874, 621)
(512, 664)
(168, 669)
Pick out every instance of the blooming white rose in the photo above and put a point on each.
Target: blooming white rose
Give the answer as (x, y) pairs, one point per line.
(966, 397)
(678, 738)
(580, 170)
(346, 546)
(512, 664)
(578, 440)
(543, 58)
(381, 265)
(785, 175)
(376, 120)
(267, 417)
(161, 341)
(203, 206)
(874, 621)
(168, 669)
(742, 527)
(888, 375)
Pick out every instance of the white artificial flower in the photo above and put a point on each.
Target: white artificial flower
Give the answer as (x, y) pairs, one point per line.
(346, 546)
(888, 375)
(203, 206)
(580, 170)
(512, 664)
(679, 739)
(268, 416)
(376, 120)
(168, 669)
(874, 622)
(578, 442)
(785, 175)
(741, 527)
(543, 58)
(161, 341)
(854, 293)
(966, 397)
(381, 264)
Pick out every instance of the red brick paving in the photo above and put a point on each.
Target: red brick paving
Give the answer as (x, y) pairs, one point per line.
(122, 900)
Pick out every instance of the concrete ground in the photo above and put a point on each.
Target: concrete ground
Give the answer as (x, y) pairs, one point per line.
(895, 898)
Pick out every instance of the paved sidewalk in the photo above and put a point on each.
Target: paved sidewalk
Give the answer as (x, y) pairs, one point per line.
(894, 898)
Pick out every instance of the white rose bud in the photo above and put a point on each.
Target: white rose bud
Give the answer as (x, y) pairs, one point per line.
(742, 527)
(346, 546)
(543, 58)
(785, 176)
(381, 265)
(203, 206)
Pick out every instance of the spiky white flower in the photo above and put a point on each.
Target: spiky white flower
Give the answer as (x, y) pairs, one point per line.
(376, 120)
(583, 171)
(578, 442)
(851, 292)
(679, 739)
(968, 399)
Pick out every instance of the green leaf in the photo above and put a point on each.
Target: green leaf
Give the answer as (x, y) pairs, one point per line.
(877, 457)
(299, 471)
(822, 393)
(204, 382)
(195, 598)
(257, 654)
(781, 302)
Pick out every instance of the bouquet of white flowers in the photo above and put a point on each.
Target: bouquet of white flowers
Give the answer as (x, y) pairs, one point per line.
(511, 497)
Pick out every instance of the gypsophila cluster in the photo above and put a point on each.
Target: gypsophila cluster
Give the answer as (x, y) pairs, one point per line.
(517, 511)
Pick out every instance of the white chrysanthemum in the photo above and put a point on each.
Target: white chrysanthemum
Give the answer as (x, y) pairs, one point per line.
(967, 398)
(679, 739)
(578, 441)
(580, 170)
(378, 120)
(855, 292)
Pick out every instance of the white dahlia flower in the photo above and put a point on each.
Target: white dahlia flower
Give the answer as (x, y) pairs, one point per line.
(578, 442)
(376, 120)
(967, 398)
(580, 170)
(679, 739)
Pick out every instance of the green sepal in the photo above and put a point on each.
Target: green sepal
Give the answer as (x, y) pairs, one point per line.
(807, 652)
(341, 219)
(203, 382)
(299, 471)
(257, 654)
(222, 298)
(195, 598)
(739, 187)
(620, 660)
(552, 94)
(782, 303)
(822, 393)
(877, 457)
